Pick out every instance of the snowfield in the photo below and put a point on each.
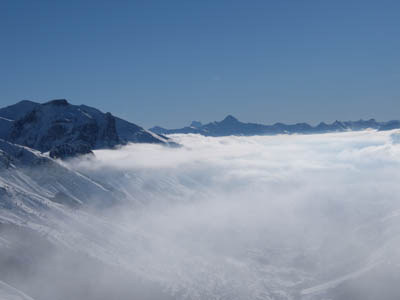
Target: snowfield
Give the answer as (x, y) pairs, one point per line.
(9, 293)
(265, 217)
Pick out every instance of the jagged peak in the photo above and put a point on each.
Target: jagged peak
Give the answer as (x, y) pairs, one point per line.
(230, 118)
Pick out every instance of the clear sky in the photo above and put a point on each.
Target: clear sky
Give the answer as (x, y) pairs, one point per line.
(169, 62)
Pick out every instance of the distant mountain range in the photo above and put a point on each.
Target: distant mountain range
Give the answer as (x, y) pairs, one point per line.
(232, 126)
(65, 130)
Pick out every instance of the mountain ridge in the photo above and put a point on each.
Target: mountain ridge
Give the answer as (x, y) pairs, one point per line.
(232, 126)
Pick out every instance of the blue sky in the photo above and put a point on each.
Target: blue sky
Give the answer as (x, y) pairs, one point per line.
(169, 62)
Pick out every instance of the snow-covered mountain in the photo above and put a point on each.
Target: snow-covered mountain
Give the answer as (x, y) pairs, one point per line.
(232, 126)
(65, 129)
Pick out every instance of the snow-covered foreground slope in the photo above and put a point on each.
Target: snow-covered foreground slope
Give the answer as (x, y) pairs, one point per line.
(7, 292)
(282, 217)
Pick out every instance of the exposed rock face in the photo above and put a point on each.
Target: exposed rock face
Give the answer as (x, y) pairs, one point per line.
(67, 130)
(109, 134)
(5, 127)
(70, 150)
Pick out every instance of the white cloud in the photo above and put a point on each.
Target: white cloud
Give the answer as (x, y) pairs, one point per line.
(251, 216)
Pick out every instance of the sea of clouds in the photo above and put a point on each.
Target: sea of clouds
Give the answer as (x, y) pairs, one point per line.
(262, 217)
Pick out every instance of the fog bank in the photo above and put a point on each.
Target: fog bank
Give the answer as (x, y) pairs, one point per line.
(265, 217)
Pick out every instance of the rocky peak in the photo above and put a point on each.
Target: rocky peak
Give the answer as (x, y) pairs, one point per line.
(230, 119)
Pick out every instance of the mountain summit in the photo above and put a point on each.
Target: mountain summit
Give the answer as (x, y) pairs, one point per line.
(230, 120)
(65, 130)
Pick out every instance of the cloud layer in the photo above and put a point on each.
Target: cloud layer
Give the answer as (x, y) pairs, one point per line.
(264, 217)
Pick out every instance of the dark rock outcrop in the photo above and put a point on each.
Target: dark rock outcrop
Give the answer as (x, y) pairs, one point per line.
(70, 150)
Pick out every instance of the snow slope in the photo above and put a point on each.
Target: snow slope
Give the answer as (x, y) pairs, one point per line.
(7, 292)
